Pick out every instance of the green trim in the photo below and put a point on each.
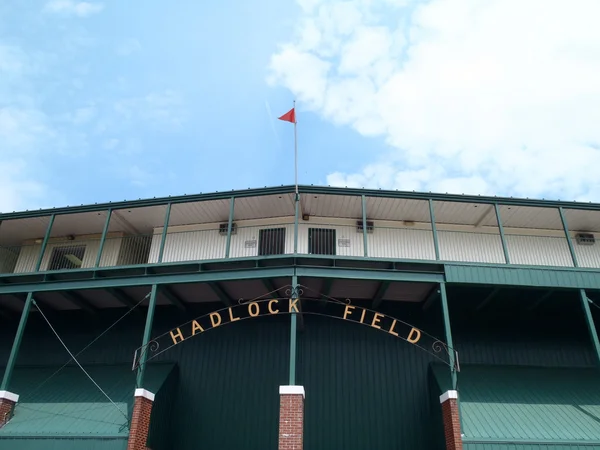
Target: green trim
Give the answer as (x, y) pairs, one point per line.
(38, 264)
(146, 339)
(563, 219)
(448, 332)
(293, 334)
(14, 352)
(103, 238)
(436, 244)
(163, 238)
(502, 236)
(296, 219)
(74, 436)
(364, 222)
(229, 226)
(589, 318)
(549, 442)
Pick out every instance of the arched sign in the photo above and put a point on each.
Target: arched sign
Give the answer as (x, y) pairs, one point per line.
(275, 306)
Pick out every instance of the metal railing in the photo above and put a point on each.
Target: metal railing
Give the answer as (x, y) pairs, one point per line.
(405, 243)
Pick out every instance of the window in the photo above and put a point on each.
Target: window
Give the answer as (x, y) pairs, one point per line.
(321, 241)
(271, 241)
(66, 257)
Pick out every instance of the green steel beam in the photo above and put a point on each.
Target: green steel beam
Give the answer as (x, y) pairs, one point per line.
(364, 222)
(103, 238)
(229, 226)
(488, 299)
(123, 298)
(502, 236)
(146, 280)
(296, 219)
(38, 264)
(293, 333)
(146, 339)
(14, 352)
(448, 331)
(163, 238)
(217, 289)
(173, 298)
(79, 301)
(367, 274)
(590, 322)
(568, 236)
(436, 242)
(378, 297)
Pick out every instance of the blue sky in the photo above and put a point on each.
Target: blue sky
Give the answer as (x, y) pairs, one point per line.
(109, 100)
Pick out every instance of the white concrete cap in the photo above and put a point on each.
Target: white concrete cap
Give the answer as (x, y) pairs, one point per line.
(448, 395)
(291, 390)
(9, 396)
(144, 393)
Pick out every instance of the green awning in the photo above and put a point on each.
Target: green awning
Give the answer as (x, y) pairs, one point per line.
(68, 407)
(527, 408)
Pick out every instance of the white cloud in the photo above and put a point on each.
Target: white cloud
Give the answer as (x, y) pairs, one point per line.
(128, 47)
(496, 97)
(162, 108)
(73, 8)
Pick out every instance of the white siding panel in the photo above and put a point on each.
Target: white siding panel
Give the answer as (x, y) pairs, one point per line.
(27, 258)
(587, 255)
(401, 243)
(189, 246)
(470, 247)
(538, 250)
(8, 259)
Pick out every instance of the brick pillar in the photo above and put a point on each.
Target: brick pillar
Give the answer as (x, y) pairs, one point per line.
(140, 420)
(449, 401)
(291, 417)
(8, 400)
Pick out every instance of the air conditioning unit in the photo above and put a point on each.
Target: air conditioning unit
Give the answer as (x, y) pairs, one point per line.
(359, 226)
(225, 226)
(585, 238)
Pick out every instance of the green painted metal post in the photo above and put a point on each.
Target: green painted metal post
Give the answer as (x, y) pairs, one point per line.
(296, 219)
(448, 331)
(568, 236)
(163, 238)
(103, 238)
(293, 332)
(14, 352)
(436, 244)
(229, 227)
(364, 222)
(502, 236)
(45, 243)
(590, 322)
(146, 339)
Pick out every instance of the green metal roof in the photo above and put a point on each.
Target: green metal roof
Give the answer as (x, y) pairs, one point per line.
(67, 443)
(527, 406)
(69, 404)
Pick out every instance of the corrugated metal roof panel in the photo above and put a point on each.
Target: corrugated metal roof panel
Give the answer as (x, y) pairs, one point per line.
(68, 403)
(212, 211)
(138, 220)
(456, 213)
(332, 205)
(522, 446)
(63, 443)
(264, 207)
(397, 209)
(583, 220)
(528, 403)
(14, 232)
(529, 217)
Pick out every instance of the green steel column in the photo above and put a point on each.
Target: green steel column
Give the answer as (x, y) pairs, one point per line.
(502, 237)
(14, 352)
(364, 221)
(568, 236)
(45, 243)
(103, 238)
(163, 238)
(436, 245)
(293, 330)
(590, 322)
(229, 227)
(296, 218)
(146, 339)
(448, 330)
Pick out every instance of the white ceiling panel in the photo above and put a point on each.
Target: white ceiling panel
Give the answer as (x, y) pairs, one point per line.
(332, 205)
(138, 220)
(458, 213)
(530, 217)
(397, 209)
(77, 224)
(264, 207)
(581, 220)
(14, 232)
(212, 211)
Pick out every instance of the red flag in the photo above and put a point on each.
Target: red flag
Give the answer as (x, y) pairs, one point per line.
(289, 116)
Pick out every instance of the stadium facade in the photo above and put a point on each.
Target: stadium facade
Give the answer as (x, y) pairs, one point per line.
(332, 319)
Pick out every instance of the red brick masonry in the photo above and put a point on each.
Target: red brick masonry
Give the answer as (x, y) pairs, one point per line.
(291, 417)
(449, 401)
(140, 420)
(8, 400)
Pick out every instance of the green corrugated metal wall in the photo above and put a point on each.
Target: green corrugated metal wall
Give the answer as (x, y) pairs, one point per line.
(518, 446)
(63, 444)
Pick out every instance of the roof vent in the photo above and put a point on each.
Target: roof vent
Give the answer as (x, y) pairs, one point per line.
(585, 238)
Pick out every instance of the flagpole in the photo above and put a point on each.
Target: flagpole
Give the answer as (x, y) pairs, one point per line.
(295, 151)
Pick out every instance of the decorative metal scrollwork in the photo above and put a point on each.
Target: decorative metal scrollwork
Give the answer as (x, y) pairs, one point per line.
(153, 346)
(347, 301)
(294, 292)
(438, 346)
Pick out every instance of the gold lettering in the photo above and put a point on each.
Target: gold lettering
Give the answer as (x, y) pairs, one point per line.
(392, 328)
(348, 311)
(294, 305)
(233, 319)
(415, 339)
(212, 319)
(376, 318)
(271, 310)
(251, 306)
(196, 326)
(179, 335)
(362, 316)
